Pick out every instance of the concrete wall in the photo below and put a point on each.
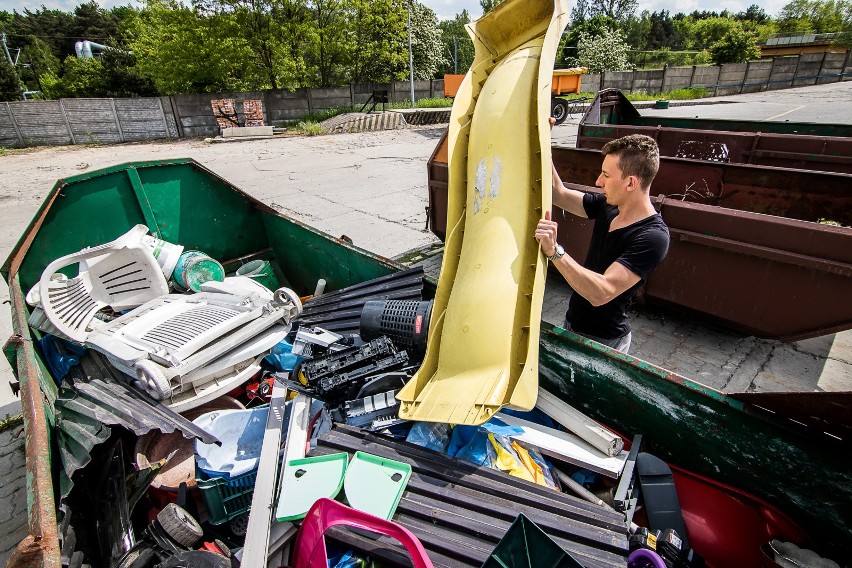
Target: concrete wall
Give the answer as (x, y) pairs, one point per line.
(731, 78)
(106, 121)
(81, 121)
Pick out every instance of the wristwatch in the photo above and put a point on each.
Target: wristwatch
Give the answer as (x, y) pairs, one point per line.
(558, 253)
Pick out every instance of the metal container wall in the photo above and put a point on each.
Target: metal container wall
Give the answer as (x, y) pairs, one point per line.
(809, 146)
(690, 425)
(747, 249)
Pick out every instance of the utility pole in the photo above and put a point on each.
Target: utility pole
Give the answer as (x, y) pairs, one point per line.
(6, 49)
(410, 57)
(455, 55)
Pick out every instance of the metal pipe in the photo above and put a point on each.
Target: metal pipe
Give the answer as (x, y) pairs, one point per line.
(579, 490)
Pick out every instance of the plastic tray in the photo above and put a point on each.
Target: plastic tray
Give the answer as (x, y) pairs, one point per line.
(374, 484)
(308, 479)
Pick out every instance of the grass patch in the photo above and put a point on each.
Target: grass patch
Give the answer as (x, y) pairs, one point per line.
(675, 95)
(309, 128)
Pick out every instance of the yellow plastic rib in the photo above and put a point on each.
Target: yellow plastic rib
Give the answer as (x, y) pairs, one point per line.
(482, 351)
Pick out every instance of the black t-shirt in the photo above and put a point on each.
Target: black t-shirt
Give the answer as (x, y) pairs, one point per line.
(640, 247)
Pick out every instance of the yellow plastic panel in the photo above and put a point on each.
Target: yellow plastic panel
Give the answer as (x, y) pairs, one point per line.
(482, 351)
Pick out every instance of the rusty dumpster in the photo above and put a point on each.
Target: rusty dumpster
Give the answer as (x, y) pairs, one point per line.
(809, 146)
(762, 250)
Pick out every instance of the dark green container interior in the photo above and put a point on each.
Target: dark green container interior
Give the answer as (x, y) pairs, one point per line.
(525, 545)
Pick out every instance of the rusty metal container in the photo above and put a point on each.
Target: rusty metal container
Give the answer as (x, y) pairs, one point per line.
(809, 146)
(747, 250)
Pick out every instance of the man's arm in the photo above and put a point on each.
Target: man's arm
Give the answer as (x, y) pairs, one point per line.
(598, 289)
(570, 200)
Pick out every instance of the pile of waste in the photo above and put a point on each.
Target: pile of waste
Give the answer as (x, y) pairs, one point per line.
(213, 419)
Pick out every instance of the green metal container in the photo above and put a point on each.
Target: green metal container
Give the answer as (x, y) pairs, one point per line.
(684, 422)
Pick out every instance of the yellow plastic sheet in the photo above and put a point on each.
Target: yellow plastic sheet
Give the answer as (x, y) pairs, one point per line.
(482, 351)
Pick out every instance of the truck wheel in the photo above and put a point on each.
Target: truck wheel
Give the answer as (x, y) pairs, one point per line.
(559, 110)
(179, 525)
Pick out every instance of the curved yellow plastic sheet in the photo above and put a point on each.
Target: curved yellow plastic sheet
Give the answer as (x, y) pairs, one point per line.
(482, 351)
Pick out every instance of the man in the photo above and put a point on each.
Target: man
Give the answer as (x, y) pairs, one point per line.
(629, 240)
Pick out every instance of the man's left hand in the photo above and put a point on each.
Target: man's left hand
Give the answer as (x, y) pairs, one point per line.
(545, 233)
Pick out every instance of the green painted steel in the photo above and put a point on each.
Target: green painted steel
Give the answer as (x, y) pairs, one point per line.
(702, 430)
(684, 422)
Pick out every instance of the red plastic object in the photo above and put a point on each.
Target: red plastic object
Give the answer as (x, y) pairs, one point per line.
(728, 526)
(309, 550)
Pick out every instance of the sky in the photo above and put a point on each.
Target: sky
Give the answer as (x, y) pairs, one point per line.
(446, 9)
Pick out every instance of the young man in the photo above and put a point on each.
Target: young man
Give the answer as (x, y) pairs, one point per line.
(628, 241)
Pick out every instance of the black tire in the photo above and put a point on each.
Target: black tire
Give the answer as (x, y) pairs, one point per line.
(559, 110)
(179, 525)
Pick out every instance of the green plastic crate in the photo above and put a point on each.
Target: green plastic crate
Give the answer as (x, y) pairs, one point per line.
(525, 545)
(225, 498)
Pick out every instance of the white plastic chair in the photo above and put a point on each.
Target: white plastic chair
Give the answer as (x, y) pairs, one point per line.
(177, 342)
(121, 274)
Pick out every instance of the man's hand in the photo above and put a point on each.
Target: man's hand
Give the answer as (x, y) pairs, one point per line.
(545, 233)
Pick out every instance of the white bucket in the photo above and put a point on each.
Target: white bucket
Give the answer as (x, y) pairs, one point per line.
(166, 253)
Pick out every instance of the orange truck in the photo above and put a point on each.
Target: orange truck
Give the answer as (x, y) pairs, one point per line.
(565, 82)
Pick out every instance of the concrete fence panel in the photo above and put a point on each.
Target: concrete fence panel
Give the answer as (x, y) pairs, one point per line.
(41, 123)
(92, 121)
(810, 65)
(647, 81)
(731, 78)
(143, 119)
(783, 72)
(9, 135)
(590, 83)
(677, 78)
(706, 77)
(832, 67)
(757, 76)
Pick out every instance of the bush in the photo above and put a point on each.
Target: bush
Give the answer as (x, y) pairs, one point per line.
(736, 46)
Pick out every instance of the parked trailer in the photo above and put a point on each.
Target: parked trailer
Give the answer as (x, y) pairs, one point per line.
(800, 470)
(754, 232)
(564, 82)
(803, 145)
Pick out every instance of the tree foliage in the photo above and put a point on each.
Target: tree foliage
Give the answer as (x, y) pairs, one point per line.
(816, 16)
(617, 10)
(10, 85)
(736, 46)
(606, 51)
(426, 46)
(457, 45)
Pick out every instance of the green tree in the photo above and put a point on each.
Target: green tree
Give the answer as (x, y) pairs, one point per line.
(457, 44)
(255, 25)
(488, 5)
(10, 85)
(426, 46)
(604, 52)
(79, 78)
(183, 51)
(329, 52)
(380, 41)
(815, 16)
(736, 46)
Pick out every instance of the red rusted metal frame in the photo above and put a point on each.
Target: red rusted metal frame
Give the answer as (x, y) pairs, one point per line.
(41, 547)
(796, 194)
(735, 257)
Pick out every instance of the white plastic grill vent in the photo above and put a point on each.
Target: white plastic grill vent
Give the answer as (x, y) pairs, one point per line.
(183, 328)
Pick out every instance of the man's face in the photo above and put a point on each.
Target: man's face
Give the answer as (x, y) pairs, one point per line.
(612, 181)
